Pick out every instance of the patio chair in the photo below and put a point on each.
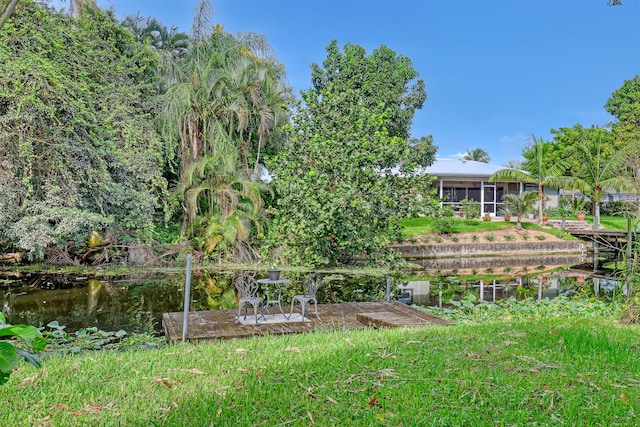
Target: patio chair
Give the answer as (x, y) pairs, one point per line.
(247, 288)
(310, 286)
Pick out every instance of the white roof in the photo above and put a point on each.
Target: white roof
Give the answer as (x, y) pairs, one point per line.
(462, 168)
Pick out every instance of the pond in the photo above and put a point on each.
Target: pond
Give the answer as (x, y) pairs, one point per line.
(136, 302)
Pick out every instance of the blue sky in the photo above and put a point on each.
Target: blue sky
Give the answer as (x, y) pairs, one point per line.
(496, 71)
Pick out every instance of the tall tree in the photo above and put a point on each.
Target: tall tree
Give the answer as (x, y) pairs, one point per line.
(537, 171)
(624, 105)
(78, 147)
(226, 99)
(478, 155)
(169, 42)
(338, 198)
(382, 77)
(75, 6)
(597, 172)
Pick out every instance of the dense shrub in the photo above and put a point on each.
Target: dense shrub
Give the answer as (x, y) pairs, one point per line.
(618, 208)
(470, 208)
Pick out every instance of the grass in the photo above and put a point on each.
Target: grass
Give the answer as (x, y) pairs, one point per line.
(423, 225)
(550, 370)
(611, 222)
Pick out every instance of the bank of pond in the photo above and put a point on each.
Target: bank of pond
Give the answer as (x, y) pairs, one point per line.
(135, 302)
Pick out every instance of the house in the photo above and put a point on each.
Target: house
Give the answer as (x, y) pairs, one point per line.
(457, 179)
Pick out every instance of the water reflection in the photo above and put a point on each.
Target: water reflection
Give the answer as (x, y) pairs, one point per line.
(440, 291)
(510, 265)
(136, 302)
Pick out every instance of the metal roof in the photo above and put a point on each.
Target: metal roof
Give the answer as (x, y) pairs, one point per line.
(446, 168)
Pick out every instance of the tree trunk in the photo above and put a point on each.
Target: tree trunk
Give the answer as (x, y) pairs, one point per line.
(75, 6)
(540, 197)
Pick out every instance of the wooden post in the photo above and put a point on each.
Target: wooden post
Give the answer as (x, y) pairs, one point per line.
(187, 300)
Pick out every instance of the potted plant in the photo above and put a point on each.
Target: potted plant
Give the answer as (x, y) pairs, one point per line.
(578, 208)
(506, 213)
(273, 272)
(545, 215)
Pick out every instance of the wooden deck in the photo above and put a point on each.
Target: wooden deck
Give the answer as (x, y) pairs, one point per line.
(219, 324)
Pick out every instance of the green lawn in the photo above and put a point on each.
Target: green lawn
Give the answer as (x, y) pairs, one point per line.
(611, 222)
(424, 225)
(533, 369)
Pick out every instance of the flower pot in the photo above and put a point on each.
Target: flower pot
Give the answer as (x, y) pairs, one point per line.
(582, 217)
(507, 218)
(545, 218)
(273, 274)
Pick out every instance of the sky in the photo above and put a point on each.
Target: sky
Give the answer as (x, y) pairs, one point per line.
(495, 71)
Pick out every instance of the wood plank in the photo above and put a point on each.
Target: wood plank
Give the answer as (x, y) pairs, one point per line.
(220, 324)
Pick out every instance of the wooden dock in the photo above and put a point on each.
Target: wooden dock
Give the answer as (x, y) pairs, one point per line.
(220, 324)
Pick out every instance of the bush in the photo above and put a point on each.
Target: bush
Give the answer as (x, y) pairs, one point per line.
(618, 208)
(470, 208)
(443, 220)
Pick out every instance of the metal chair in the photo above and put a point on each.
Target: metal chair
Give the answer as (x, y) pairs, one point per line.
(247, 288)
(310, 286)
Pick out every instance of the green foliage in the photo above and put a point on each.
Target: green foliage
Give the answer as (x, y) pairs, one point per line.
(225, 103)
(79, 148)
(620, 208)
(470, 208)
(520, 204)
(537, 170)
(62, 342)
(624, 105)
(596, 171)
(478, 155)
(10, 354)
(382, 77)
(443, 219)
(512, 309)
(339, 196)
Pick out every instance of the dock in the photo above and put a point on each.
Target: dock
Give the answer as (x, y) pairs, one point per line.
(220, 324)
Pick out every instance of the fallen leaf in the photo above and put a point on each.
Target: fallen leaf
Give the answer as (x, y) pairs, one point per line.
(624, 398)
(348, 341)
(194, 371)
(310, 417)
(164, 381)
(59, 406)
(332, 400)
(29, 379)
(373, 401)
(89, 408)
(293, 349)
(173, 405)
(260, 372)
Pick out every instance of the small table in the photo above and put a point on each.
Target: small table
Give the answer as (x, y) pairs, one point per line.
(269, 301)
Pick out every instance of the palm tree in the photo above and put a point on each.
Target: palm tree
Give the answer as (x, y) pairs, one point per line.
(514, 164)
(520, 204)
(541, 174)
(171, 43)
(596, 172)
(478, 155)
